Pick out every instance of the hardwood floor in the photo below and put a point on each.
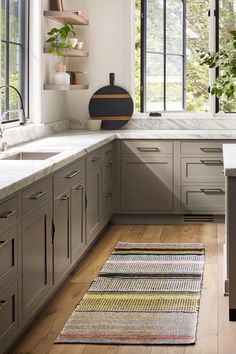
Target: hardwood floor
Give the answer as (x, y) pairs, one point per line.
(216, 335)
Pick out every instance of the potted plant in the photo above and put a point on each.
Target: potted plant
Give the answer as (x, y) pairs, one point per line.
(58, 39)
(225, 60)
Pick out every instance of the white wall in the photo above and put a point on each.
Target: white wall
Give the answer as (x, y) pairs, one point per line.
(108, 39)
(45, 106)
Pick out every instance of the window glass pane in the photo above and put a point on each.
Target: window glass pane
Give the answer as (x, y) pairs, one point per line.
(155, 83)
(197, 76)
(3, 20)
(227, 23)
(174, 78)
(174, 26)
(155, 25)
(14, 25)
(14, 64)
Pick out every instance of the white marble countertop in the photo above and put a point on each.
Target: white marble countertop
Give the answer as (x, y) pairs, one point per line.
(229, 153)
(71, 145)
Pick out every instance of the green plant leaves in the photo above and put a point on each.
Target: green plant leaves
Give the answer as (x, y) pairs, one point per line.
(57, 38)
(225, 84)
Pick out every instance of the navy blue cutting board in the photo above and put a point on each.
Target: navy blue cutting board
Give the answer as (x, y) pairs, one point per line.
(111, 104)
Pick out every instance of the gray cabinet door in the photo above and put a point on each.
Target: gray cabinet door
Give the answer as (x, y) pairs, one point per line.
(61, 239)
(146, 184)
(77, 219)
(35, 260)
(93, 198)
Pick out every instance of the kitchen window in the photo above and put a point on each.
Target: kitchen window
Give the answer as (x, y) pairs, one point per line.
(169, 77)
(14, 55)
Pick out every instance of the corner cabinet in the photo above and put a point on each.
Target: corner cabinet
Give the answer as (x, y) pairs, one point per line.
(146, 176)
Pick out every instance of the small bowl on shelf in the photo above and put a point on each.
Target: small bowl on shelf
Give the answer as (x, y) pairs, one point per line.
(80, 45)
(72, 42)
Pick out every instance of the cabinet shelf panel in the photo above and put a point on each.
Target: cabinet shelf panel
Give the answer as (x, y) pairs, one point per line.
(65, 87)
(70, 53)
(66, 17)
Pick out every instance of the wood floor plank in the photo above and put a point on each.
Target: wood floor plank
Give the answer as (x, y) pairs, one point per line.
(216, 335)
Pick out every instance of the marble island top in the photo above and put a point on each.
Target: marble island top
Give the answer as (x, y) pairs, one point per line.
(229, 153)
(71, 145)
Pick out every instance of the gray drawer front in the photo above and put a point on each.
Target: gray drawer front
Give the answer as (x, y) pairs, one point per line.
(107, 176)
(202, 170)
(9, 313)
(146, 147)
(8, 212)
(107, 152)
(203, 198)
(8, 256)
(93, 160)
(66, 178)
(203, 148)
(35, 195)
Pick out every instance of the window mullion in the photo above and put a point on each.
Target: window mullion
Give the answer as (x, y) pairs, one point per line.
(143, 54)
(7, 24)
(212, 48)
(164, 57)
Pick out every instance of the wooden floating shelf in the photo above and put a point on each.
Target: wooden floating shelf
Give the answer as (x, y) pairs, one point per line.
(66, 17)
(65, 87)
(70, 53)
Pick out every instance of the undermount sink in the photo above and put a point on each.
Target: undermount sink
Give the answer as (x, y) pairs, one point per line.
(31, 155)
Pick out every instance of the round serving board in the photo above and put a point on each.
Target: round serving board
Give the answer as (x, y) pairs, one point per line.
(111, 104)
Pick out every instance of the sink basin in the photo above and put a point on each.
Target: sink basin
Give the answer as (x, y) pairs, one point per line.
(32, 155)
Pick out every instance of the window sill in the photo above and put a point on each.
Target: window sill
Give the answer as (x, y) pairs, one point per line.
(183, 115)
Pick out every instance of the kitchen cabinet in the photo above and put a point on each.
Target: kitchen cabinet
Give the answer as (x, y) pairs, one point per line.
(146, 176)
(36, 260)
(69, 241)
(36, 247)
(93, 203)
(99, 190)
(146, 185)
(10, 271)
(78, 230)
(61, 236)
(9, 314)
(201, 180)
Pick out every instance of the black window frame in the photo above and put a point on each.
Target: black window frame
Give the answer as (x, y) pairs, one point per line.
(23, 44)
(143, 17)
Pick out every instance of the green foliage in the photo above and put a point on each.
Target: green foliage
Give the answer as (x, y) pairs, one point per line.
(225, 59)
(58, 38)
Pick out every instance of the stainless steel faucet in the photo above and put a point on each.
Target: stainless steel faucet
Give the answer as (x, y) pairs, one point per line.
(21, 111)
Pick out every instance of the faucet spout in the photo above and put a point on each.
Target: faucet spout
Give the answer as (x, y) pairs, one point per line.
(22, 111)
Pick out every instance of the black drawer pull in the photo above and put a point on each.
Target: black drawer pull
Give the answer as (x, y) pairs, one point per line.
(108, 195)
(2, 304)
(73, 174)
(79, 188)
(38, 195)
(7, 214)
(212, 162)
(148, 149)
(212, 190)
(108, 165)
(211, 149)
(65, 197)
(2, 243)
(95, 159)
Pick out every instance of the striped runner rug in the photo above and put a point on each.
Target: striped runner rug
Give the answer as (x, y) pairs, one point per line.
(146, 293)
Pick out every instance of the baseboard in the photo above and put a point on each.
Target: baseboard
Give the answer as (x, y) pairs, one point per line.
(150, 219)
